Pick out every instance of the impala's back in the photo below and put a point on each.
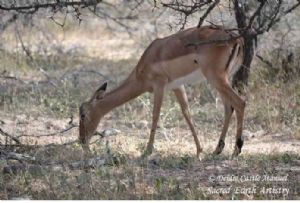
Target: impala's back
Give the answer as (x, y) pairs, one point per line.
(179, 60)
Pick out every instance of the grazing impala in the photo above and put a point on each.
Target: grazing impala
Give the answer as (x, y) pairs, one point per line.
(169, 64)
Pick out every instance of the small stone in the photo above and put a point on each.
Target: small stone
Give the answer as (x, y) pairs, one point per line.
(259, 133)
(141, 124)
(3, 164)
(110, 132)
(25, 197)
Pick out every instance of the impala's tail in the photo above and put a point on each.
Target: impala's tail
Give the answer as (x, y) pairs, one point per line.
(235, 59)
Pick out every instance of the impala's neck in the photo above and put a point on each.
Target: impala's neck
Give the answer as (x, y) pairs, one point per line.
(129, 89)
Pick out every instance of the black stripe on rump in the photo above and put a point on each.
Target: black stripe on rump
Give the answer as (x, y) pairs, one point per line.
(231, 56)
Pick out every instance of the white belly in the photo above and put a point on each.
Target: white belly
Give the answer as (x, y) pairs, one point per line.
(191, 79)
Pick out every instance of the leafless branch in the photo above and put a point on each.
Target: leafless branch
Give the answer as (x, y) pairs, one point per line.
(187, 8)
(275, 17)
(27, 51)
(70, 127)
(265, 61)
(33, 7)
(8, 22)
(101, 14)
(16, 156)
(256, 14)
(76, 165)
(10, 136)
(210, 8)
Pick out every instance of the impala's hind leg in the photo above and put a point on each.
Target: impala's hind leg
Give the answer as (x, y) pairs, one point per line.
(239, 139)
(238, 105)
(183, 101)
(228, 113)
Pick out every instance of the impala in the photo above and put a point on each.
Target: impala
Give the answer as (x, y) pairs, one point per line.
(167, 65)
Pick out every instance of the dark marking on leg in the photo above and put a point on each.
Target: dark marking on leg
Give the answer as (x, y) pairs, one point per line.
(239, 144)
(82, 140)
(232, 109)
(221, 145)
(195, 61)
(231, 56)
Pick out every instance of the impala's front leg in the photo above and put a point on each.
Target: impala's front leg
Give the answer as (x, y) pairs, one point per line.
(183, 101)
(84, 142)
(158, 98)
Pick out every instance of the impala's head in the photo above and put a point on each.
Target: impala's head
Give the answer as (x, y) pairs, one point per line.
(90, 113)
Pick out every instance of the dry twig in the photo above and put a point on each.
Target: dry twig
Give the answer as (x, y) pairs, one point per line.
(10, 136)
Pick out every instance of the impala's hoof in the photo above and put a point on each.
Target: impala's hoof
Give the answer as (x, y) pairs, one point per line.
(238, 148)
(217, 151)
(236, 152)
(219, 148)
(200, 157)
(86, 149)
(199, 154)
(147, 152)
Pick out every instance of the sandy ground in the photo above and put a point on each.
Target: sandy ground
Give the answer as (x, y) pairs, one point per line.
(43, 131)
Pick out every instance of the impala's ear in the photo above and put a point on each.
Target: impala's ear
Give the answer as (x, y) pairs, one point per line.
(99, 94)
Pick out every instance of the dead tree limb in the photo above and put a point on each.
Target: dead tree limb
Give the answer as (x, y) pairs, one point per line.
(57, 133)
(10, 136)
(265, 61)
(19, 157)
(76, 165)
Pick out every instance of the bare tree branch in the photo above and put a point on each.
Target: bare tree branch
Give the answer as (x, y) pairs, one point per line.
(70, 127)
(8, 22)
(32, 8)
(10, 136)
(210, 8)
(265, 61)
(16, 156)
(276, 17)
(187, 8)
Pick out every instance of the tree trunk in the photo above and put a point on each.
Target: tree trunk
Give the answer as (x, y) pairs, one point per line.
(240, 79)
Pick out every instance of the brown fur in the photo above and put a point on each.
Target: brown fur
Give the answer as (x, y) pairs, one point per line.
(168, 60)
